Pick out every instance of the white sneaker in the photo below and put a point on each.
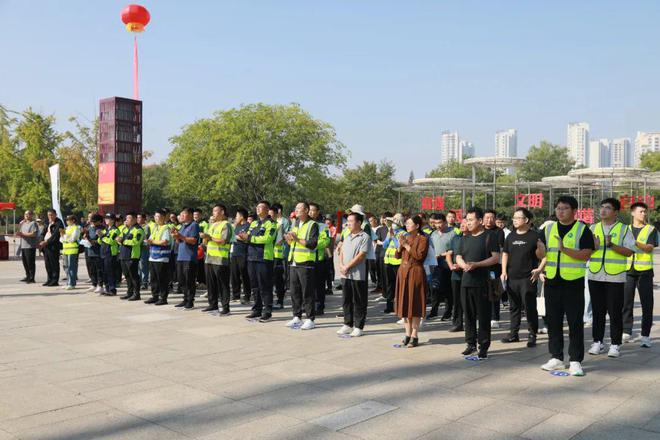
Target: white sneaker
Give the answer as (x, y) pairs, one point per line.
(553, 364)
(91, 289)
(204, 295)
(597, 348)
(646, 342)
(294, 322)
(575, 369)
(494, 324)
(626, 337)
(98, 289)
(543, 331)
(614, 352)
(400, 321)
(307, 325)
(356, 333)
(345, 330)
(69, 288)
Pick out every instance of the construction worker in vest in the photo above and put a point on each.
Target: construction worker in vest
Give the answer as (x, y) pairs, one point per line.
(640, 274)
(160, 253)
(70, 236)
(395, 230)
(260, 238)
(567, 245)
(203, 228)
(321, 270)
(217, 239)
(109, 250)
(279, 248)
(144, 254)
(129, 256)
(451, 222)
(614, 243)
(303, 242)
(120, 222)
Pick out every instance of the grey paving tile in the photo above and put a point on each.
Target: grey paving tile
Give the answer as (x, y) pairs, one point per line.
(353, 415)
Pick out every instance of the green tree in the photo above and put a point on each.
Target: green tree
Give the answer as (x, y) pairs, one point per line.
(78, 159)
(9, 186)
(154, 181)
(255, 152)
(371, 185)
(650, 160)
(454, 168)
(545, 160)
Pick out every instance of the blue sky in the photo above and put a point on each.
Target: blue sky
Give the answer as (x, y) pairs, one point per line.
(388, 75)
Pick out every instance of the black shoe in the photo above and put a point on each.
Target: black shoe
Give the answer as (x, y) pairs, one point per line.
(531, 340)
(127, 296)
(388, 310)
(245, 301)
(225, 311)
(161, 302)
(511, 338)
(236, 298)
(209, 309)
(433, 313)
(181, 304)
(24, 280)
(151, 300)
(319, 312)
(329, 292)
(280, 305)
(483, 353)
(446, 317)
(189, 306)
(29, 282)
(469, 350)
(414, 342)
(456, 328)
(406, 340)
(134, 298)
(265, 317)
(47, 283)
(254, 314)
(144, 287)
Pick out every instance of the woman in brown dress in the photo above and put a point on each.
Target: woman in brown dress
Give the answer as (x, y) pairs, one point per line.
(411, 284)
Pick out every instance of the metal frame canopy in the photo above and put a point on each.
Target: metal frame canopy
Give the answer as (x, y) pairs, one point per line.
(493, 162)
(609, 176)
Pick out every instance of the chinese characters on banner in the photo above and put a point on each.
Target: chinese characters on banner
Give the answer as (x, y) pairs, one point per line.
(532, 200)
(433, 203)
(626, 201)
(585, 214)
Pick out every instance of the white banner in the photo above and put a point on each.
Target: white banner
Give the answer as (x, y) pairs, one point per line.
(55, 188)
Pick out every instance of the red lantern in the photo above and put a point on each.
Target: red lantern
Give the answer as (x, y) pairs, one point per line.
(135, 17)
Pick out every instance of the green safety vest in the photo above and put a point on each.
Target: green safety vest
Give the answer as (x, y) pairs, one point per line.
(267, 239)
(614, 262)
(323, 242)
(134, 243)
(457, 230)
(70, 248)
(299, 253)
(569, 268)
(156, 251)
(278, 249)
(390, 251)
(641, 260)
(110, 238)
(214, 249)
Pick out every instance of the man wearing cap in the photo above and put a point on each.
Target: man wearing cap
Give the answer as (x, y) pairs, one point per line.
(129, 256)
(107, 238)
(391, 243)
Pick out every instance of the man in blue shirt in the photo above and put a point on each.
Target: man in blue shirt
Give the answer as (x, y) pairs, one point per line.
(186, 242)
(238, 259)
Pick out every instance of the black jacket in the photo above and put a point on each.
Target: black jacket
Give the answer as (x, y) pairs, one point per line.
(54, 241)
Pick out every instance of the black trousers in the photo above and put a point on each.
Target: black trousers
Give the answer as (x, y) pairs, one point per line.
(109, 277)
(457, 318)
(172, 268)
(644, 284)
(319, 283)
(117, 271)
(217, 283)
(373, 272)
(261, 280)
(201, 271)
(130, 269)
(95, 270)
(52, 262)
(185, 273)
(476, 308)
(607, 299)
(159, 275)
(330, 274)
(303, 290)
(390, 281)
(522, 295)
(279, 278)
(380, 268)
(355, 297)
(494, 289)
(29, 257)
(559, 301)
(239, 276)
(441, 288)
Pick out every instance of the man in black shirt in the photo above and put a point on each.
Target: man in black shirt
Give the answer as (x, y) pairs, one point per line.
(494, 285)
(640, 274)
(476, 255)
(520, 271)
(50, 246)
(568, 245)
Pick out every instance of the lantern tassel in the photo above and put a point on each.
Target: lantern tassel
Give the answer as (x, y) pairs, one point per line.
(136, 92)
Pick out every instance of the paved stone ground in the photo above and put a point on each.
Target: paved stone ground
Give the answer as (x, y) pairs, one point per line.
(74, 365)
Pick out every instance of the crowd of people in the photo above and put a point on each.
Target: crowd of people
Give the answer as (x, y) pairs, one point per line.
(475, 267)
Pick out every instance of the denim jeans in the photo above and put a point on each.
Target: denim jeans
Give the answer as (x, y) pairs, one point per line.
(71, 269)
(144, 266)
